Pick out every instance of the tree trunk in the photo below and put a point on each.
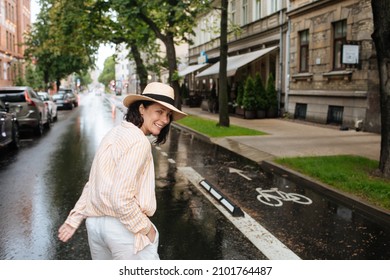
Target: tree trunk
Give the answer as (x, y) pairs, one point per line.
(381, 37)
(223, 94)
(141, 69)
(172, 67)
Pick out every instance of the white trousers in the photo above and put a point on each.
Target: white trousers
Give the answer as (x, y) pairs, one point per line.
(109, 239)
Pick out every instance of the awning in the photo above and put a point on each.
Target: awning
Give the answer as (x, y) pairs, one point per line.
(235, 62)
(192, 68)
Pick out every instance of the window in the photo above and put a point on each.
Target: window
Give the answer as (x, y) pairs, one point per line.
(233, 11)
(304, 51)
(335, 115)
(339, 39)
(244, 12)
(273, 6)
(300, 111)
(257, 9)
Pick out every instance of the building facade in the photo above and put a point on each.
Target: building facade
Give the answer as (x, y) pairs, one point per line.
(15, 20)
(325, 66)
(333, 77)
(253, 26)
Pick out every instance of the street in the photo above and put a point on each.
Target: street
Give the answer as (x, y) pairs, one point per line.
(41, 182)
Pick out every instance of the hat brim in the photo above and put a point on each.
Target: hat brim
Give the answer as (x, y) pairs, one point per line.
(176, 113)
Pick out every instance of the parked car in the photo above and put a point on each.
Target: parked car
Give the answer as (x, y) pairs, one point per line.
(9, 127)
(52, 106)
(63, 101)
(74, 96)
(31, 111)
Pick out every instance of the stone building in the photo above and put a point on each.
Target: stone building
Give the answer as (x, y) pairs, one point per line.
(324, 62)
(15, 20)
(333, 77)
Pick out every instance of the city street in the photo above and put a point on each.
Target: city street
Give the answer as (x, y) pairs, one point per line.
(41, 182)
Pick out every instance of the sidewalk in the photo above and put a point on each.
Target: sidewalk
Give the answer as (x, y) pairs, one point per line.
(289, 138)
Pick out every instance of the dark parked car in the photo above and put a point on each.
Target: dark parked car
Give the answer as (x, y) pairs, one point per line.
(9, 127)
(63, 101)
(74, 96)
(31, 111)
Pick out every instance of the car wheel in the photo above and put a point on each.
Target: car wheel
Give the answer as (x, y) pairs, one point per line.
(49, 120)
(39, 128)
(15, 144)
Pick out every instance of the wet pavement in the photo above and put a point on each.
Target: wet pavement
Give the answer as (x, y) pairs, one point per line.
(41, 182)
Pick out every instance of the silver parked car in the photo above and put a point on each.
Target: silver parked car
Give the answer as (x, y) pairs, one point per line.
(52, 106)
(31, 111)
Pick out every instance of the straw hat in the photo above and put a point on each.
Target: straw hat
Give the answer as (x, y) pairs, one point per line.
(160, 93)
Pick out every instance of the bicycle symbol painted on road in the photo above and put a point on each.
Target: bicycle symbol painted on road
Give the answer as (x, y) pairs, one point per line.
(275, 197)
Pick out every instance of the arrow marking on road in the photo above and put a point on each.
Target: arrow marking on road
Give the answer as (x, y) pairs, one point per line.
(239, 172)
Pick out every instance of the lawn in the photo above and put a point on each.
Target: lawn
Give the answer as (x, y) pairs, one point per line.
(211, 129)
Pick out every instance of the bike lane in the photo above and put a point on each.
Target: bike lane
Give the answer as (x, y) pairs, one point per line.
(323, 229)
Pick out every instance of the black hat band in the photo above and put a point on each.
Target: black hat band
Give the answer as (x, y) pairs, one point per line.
(160, 98)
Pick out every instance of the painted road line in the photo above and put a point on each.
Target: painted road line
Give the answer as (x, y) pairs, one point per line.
(171, 160)
(164, 154)
(268, 244)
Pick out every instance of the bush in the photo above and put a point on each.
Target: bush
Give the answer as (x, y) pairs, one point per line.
(261, 94)
(272, 97)
(249, 100)
(240, 94)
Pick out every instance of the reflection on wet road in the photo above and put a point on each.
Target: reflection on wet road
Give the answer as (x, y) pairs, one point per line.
(41, 182)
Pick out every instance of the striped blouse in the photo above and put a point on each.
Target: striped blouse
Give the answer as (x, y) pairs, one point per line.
(121, 183)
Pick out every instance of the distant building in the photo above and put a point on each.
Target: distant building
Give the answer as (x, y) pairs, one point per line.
(15, 20)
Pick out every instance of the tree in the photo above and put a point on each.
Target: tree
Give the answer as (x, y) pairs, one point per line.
(381, 37)
(171, 21)
(60, 42)
(223, 94)
(108, 73)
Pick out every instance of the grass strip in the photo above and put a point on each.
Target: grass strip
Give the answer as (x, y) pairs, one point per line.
(351, 174)
(211, 128)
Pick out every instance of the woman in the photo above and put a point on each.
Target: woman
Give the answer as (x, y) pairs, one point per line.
(119, 197)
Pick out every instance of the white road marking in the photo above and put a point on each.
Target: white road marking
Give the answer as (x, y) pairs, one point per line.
(239, 172)
(268, 244)
(171, 160)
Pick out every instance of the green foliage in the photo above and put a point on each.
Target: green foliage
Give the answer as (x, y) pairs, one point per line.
(108, 73)
(272, 97)
(249, 100)
(240, 94)
(184, 92)
(211, 129)
(351, 174)
(261, 95)
(60, 41)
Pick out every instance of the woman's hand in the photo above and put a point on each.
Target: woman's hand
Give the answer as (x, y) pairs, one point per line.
(65, 232)
(151, 234)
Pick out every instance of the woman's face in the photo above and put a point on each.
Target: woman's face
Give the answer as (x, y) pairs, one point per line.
(156, 117)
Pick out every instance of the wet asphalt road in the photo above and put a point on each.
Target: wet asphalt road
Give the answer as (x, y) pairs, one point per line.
(41, 182)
